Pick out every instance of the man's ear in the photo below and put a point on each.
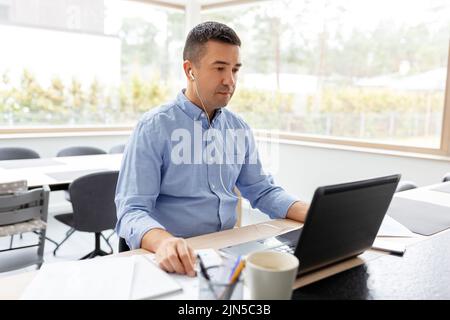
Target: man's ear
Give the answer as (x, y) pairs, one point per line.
(187, 66)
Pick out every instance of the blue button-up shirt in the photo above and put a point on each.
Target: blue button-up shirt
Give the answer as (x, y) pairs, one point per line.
(172, 177)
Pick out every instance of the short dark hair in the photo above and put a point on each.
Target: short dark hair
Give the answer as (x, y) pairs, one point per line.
(204, 32)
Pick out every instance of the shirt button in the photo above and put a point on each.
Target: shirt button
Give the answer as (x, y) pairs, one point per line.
(213, 186)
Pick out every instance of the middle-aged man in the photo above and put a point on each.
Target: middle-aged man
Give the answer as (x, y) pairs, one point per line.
(180, 168)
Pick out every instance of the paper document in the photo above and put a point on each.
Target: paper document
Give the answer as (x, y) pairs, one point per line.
(210, 257)
(100, 278)
(149, 281)
(392, 228)
(189, 285)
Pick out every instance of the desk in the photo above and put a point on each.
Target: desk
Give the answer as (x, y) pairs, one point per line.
(57, 173)
(11, 287)
(421, 273)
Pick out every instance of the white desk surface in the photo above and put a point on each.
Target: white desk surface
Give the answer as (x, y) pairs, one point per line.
(426, 194)
(37, 175)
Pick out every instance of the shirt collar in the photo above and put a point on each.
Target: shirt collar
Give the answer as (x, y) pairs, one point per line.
(194, 112)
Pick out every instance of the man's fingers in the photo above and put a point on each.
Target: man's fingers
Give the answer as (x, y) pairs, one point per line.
(163, 263)
(193, 255)
(176, 256)
(185, 257)
(166, 266)
(174, 259)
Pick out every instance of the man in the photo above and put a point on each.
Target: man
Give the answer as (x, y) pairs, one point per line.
(166, 192)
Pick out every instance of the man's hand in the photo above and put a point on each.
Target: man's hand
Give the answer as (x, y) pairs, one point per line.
(172, 254)
(175, 255)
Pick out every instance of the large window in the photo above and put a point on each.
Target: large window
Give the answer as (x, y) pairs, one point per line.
(86, 63)
(370, 73)
(361, 70)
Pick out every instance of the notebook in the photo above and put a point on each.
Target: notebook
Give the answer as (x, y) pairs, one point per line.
(100, 278)
(108, 278)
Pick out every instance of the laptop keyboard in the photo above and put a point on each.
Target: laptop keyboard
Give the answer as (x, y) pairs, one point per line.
(285, 248)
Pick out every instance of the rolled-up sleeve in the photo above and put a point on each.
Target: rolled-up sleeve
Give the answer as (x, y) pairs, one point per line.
(138, 185)
(259, 188)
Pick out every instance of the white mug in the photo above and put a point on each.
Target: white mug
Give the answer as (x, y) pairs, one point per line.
(270, 275)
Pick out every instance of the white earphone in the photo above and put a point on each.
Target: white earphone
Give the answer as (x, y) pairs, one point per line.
(210, 127)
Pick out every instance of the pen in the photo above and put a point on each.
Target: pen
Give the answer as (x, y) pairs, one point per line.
(206, 276)
(234, 267)
(237, 272)
(202, 268)
(228, 292)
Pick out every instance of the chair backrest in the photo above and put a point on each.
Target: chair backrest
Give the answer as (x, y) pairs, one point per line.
(20, 213)
(13, 153)
(405, 185)
(24, 206)
(123, 246)
(79, 151)
(92, 199)
(120, 148)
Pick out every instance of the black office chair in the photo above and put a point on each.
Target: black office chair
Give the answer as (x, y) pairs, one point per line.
(120, 148)
(17, 153)
(405, 185)
(79, 151)
(93, 205)
(13, 153)
(123, 246)
(446, 177)
(71, 152)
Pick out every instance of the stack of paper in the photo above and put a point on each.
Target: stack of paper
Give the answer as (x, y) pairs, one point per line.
(391, 228)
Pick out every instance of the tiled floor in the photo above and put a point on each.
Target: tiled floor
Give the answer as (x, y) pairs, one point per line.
(81, 243)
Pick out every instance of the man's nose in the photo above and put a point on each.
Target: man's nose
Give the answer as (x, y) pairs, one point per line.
(230, 79)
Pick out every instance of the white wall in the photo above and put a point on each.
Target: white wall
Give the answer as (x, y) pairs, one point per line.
(303, 168)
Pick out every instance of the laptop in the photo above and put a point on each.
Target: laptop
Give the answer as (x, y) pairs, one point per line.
(342, 222)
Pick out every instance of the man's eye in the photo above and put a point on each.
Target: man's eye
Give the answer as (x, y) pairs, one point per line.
(235, 70)
(220, 68)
